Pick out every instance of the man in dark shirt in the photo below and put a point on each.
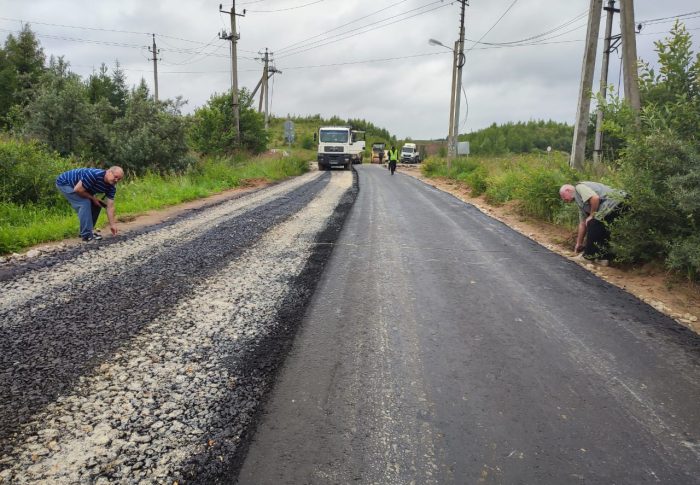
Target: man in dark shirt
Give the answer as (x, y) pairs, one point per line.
(599, 205)
(79, 187)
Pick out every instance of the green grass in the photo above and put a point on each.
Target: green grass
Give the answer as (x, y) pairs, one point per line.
(22, 226)
(532, 180)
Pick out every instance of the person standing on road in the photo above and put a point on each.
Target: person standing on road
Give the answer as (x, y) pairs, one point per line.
(393, 159)
(79, 187)
(599, 205)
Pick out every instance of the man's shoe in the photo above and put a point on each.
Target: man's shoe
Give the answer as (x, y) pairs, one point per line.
(88, 239)
(97, 236)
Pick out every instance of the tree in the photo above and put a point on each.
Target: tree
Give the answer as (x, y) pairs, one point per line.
(151, 136)
(60, 114)
(21, 68)
(212, 126)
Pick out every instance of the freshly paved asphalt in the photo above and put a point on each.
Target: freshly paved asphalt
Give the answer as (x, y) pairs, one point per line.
(443, 347)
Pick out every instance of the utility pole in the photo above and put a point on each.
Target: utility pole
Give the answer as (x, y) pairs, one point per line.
(263, 85)
(598, 143)
(629, 54)
(451, 152)
(458, 87)
(234, 37)
(578, 148)
(155, 65)
(263, 93)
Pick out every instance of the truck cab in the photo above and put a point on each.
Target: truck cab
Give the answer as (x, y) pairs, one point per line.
(339, 146)
(410, 153)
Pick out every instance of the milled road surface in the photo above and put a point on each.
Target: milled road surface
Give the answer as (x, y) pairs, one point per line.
(144, 358)
(442, 347)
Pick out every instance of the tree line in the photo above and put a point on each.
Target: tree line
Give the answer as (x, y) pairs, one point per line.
(521, 137)
(102, 120)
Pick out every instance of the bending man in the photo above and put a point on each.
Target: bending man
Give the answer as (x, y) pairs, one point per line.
(79, 187)
(598, 205)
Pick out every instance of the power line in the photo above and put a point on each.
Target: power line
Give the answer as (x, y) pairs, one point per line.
(494, 25)
(667, 19)
(311, 45)
(341, 26)
(286, 9)
(551, 31)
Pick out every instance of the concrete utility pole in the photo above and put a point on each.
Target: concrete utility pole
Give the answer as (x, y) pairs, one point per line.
(458, 87)
(268, 72)
(451, 146)
(155, 66)
(578, 148)
(234, 37)
(629, 54)
(598, 144)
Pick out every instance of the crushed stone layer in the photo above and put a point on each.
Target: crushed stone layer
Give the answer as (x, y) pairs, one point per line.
(146, 360)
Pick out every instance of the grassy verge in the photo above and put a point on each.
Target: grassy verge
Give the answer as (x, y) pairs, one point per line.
(25, 225)
(531, 181)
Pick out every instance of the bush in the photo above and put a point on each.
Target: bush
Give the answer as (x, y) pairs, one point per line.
(662, 176)
(503, 187)
(211, 130)
(684, 257)
(539, 191)
(307, 142)
(433, 167)
(150, 137)
(477, 180)
(28, 173)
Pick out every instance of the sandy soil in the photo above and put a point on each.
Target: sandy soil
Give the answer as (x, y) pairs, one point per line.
(676, 298)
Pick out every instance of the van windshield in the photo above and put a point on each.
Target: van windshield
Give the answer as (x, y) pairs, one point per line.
(407, 150)
(334, 136)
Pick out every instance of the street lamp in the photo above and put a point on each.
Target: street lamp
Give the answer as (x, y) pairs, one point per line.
(454, 102)
(437, 42)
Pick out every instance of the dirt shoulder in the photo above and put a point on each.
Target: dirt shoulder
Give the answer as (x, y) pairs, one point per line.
(678, 299)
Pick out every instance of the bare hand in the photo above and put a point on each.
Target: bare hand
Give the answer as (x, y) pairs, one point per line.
(578, 248)
(114, 230)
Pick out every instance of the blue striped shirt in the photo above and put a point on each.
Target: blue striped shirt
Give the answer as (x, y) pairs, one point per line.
(93, 181)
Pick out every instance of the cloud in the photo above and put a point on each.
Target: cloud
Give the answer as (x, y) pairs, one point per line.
(409, 95)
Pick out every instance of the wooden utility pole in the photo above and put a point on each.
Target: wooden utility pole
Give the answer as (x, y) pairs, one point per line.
(598, 143)
(155, 52)
(629, 54)
(234, 37)
(578, 148)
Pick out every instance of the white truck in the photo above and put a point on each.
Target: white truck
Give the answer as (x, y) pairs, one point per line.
(339, 146)
(410, 153)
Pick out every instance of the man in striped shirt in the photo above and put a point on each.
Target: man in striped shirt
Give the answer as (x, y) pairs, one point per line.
(79, 187)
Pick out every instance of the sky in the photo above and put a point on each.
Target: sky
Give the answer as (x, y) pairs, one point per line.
(367, 59)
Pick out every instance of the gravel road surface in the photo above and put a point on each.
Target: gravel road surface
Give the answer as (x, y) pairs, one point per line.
(145, 357)
(442, 347)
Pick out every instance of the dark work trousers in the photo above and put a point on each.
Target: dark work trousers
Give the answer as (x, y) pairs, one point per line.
(392, 166)
(598, 236)
(95, 213)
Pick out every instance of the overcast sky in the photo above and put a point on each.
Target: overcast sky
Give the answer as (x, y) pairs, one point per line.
(352, 58)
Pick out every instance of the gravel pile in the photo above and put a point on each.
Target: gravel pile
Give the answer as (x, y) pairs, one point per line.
(147, 358)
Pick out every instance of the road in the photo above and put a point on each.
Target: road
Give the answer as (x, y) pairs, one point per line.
(442, 347)
(144, 358)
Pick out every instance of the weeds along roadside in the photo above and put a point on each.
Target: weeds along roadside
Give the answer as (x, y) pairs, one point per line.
(531, 180)
(32, 211)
